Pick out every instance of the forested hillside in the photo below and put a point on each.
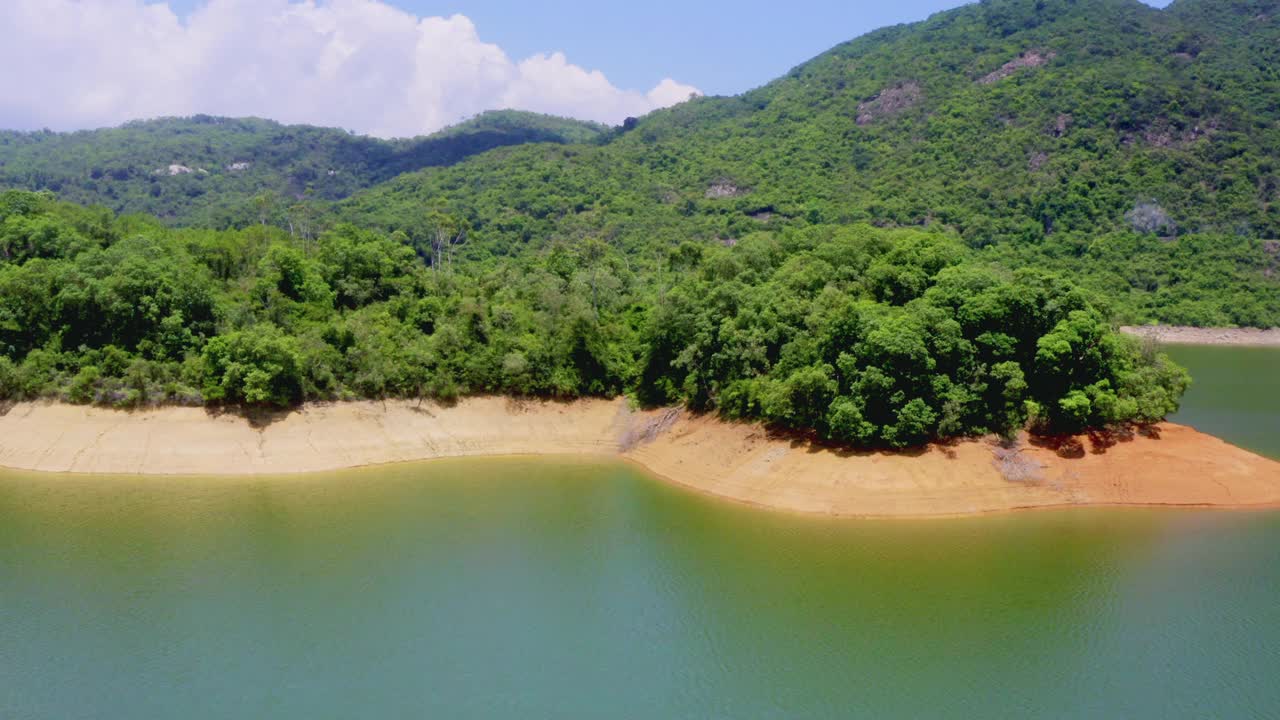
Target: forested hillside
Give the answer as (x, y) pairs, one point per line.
(927, 232)
(221, 172)
(862, 335)
(1131, 147)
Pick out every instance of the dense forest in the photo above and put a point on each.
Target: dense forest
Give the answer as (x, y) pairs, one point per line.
(928, 232)
(864, 335)
(222, 172)
(1133, 148)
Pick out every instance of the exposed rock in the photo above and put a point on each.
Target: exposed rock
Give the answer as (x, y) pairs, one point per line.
(238, 166)
(1037, 161)
(889, 102)
(724, 189)
(1028, 59)
(174, 170)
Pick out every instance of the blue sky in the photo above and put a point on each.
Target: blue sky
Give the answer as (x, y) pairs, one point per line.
(720, 47)
(398, 68)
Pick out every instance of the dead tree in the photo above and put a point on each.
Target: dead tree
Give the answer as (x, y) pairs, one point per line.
(443, 241)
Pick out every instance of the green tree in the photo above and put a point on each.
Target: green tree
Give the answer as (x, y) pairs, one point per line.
(257, 366)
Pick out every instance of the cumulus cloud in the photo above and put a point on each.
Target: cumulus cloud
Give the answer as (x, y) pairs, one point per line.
(357, 64)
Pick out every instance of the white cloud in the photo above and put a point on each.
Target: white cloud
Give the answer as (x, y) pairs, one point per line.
(357, 64)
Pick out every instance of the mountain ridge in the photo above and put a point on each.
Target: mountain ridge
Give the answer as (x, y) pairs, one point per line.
(207, 170)
(1132, 133)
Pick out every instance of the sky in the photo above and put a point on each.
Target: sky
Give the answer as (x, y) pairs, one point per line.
(397, 68)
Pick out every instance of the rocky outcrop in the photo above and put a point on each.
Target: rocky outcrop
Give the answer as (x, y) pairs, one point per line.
(890, 101)
(1028, 59)
(724, 189)
(175, 169)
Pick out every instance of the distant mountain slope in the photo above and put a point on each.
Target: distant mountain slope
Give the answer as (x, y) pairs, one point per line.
(1135, 147)
(206, 170)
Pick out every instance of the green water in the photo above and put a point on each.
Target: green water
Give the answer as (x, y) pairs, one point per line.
(1235, 394)
(560, 589)
(543, 589)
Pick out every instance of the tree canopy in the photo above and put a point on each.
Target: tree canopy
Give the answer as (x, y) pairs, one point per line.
(862, 335)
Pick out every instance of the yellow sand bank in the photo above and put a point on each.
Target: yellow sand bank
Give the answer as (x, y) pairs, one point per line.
(737, 461)
(1177, 334)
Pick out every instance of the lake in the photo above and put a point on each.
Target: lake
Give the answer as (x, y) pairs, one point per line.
(523, 588)
(1235, 394)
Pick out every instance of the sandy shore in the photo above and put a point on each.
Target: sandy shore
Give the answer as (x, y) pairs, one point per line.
(741, 462)
(1177, 334)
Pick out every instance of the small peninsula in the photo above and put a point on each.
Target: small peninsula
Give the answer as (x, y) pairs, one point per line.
(1171, 465)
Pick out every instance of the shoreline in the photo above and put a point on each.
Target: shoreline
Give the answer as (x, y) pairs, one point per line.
(1174, 467)
(1186, 335)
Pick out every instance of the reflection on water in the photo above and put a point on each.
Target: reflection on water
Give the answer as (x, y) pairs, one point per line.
(520, 588)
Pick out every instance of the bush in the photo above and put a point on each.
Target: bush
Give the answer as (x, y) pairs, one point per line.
(258, 366)
(8, 378)
(37, 376)
(84, 385)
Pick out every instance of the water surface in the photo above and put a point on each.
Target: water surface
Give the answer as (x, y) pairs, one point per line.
(556, 589)
(1235, 394)
(562, 589)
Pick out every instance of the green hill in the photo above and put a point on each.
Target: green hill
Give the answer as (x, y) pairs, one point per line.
(207, 170)
(928, 232)
(1133, 147)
